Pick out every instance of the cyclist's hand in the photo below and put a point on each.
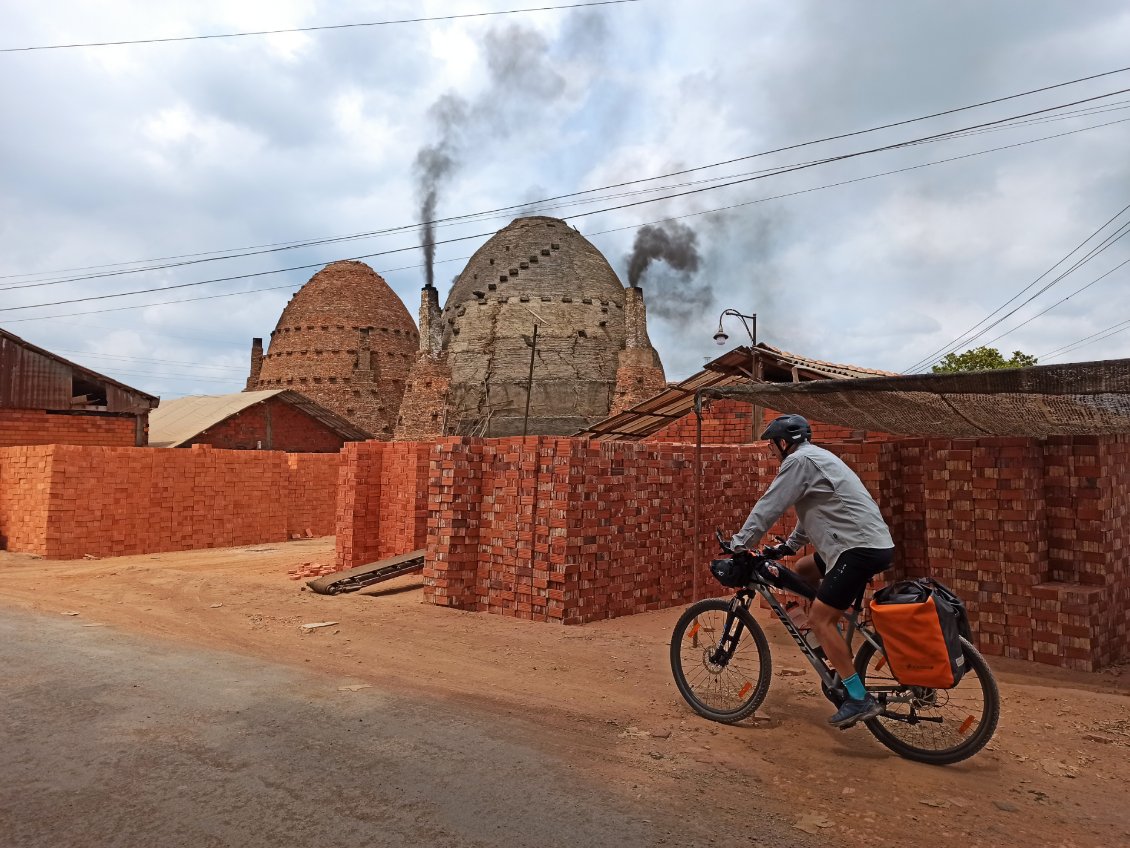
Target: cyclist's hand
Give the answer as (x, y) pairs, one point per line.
(778, 551)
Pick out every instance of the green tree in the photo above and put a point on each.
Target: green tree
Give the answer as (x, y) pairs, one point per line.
(982, 359)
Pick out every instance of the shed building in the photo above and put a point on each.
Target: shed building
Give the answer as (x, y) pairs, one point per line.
(274, 419)
(46, 399)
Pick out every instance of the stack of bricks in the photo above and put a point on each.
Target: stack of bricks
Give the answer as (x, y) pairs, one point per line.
(382, 507)
(105, 501)
(311, 489)
(549, 528)
(24, 500)
(724, 422)
(37, 427)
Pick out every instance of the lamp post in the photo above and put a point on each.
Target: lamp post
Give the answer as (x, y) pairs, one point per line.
(749, 322)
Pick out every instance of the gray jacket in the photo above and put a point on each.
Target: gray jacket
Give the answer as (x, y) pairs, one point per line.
(834, 510)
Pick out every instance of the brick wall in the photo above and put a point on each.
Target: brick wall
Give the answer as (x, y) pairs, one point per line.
(1030, 532)
(37, 427)
(66, 501)
(560, 529)
(730, 422)
(290, 429)
(382, 501)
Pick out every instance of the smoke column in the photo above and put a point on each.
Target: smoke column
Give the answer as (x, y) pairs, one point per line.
(672, 242)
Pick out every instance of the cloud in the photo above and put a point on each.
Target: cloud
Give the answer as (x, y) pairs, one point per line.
(161, 150)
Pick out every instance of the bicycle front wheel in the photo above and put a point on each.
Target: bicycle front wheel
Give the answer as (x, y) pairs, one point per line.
(720, 684)
(935, 726)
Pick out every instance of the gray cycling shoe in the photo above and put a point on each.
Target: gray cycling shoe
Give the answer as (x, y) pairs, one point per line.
(854, 711)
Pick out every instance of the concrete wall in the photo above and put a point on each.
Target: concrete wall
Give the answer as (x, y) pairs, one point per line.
(65, 501)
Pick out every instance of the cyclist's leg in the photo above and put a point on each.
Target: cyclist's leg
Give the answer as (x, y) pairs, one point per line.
(811, 569)
(839, 589)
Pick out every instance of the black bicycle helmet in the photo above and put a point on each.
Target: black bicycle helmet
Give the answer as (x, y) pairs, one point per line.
(789, 429)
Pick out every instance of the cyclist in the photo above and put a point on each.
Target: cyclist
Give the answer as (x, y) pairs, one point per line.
(841, 519)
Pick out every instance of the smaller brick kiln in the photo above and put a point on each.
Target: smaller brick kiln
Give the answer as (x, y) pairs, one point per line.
(346, 341)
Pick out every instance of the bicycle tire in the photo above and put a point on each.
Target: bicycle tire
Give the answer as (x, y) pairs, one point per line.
(711, 689)
(972, 742)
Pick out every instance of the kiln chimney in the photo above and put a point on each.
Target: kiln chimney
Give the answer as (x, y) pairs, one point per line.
(431, 323)
(256, 365)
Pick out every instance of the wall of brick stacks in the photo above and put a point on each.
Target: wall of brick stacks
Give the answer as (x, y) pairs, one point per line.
(1032, 533)
(730, 422)
(382, 505)
(67, 501)
(272, 425)
(37, 427)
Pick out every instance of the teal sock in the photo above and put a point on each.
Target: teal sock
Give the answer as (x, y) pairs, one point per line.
(855, 688)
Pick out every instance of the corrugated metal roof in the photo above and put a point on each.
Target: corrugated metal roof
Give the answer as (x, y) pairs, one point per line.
(735, 367)
(34, 378)
(177, 421)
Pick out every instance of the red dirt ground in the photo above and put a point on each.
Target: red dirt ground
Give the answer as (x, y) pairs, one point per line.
(1054, 774)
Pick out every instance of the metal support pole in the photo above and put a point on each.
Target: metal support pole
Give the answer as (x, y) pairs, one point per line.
(530, 381)
(696, 565)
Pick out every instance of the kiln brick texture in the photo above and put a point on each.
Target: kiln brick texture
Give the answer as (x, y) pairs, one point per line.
(66, 501)
(346, 341)
(37, 427)
(539, 270)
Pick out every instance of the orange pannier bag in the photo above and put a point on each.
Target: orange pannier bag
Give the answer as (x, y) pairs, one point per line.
(921, 623)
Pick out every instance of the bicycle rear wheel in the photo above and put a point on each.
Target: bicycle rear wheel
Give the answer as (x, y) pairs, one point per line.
(935, 726)
(720, 685)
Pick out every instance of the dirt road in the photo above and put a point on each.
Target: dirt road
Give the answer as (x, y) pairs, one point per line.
(597, 703)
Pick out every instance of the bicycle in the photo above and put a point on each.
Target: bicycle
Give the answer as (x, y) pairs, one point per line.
(725, 679)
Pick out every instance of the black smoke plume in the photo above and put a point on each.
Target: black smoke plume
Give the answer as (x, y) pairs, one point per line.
(521, 79)
(673, 291)
(670, 242)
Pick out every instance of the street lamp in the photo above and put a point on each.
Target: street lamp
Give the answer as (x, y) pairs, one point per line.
(721, 337)
(748, 321)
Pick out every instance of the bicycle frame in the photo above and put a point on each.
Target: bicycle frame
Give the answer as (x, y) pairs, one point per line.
(828, 675)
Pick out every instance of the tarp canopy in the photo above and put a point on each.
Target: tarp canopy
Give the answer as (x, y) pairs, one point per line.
(1044, 400)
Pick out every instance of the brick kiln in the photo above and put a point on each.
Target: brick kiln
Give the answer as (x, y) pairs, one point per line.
(593, 354)
(346, 341)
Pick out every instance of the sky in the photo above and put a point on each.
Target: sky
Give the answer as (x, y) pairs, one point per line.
(116, 158)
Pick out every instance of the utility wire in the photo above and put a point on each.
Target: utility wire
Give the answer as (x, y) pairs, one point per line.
(307, 242)
(325, 27)
(965, 337)
(1060, 302)
(1086, 340)
(730, 183)
(600, 232)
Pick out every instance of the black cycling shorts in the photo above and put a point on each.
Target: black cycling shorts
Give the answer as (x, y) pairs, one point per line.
(850, 575)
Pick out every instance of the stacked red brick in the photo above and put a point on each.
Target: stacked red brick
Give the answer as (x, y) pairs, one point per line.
(1031, 532)
(106, 501)
(382, 501)
(730, 422)
(551, 528)
(37, 427)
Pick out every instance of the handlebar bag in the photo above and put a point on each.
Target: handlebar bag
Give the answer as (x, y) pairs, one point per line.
(921, 623)
(733, 573)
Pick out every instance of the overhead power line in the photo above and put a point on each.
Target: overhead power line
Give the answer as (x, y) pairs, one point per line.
(978, 330)
(279, 246)
(730, 183)
(323, 28)
(1112, 330)
(600, 232)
